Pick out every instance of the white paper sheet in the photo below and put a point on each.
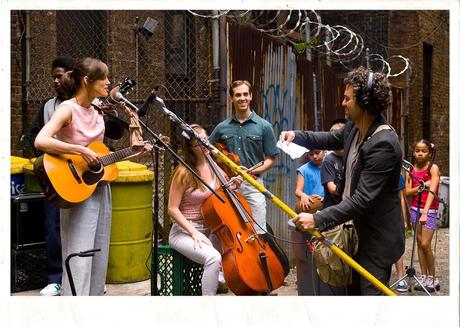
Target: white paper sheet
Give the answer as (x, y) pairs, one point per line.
(293, 150)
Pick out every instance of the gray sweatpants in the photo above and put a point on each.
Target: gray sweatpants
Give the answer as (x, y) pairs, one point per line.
(84, 227)
(208, 256)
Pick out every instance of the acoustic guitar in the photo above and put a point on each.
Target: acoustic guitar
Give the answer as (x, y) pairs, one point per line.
(67, 179)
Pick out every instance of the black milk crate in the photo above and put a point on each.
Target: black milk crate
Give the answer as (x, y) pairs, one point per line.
(27, 219)
(28, 267)
(178, 275)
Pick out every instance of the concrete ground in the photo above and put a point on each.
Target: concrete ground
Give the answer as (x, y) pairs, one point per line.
(143, 288)
(440, 244)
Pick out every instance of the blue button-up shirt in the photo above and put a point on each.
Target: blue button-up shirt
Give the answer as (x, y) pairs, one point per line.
(252, 140)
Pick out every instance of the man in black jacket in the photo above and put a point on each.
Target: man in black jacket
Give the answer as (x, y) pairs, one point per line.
(370, 177)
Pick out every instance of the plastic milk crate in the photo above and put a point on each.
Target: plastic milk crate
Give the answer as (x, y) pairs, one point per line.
(178, 275)
(28, 268)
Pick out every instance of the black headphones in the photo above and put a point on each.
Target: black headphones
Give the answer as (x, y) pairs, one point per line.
(364, 96)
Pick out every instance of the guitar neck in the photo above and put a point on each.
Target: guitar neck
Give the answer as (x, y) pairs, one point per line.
(117, 156)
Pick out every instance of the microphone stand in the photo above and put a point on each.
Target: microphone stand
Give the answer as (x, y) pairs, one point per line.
(410, 270)
(159, 143)
(155, 260)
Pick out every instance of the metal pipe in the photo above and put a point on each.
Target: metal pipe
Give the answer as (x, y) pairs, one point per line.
(328, 55)
(405, 115)
(136, 55)
(368, 63)
(215, 42)
(26, 76)
(216, 34)
(315, 102)
(223, 67)
(27, 48)
(308, 39)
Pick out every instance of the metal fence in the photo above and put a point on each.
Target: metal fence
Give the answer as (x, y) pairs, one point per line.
(169, 50)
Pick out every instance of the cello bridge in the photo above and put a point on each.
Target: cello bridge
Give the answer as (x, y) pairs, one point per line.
(251, 238)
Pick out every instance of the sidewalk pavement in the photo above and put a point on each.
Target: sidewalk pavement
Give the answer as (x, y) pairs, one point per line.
(440, 243)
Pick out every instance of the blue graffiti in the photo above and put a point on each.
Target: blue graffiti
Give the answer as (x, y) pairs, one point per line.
(279, 107)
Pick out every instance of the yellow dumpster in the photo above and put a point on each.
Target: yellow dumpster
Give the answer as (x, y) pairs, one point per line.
(31, 184)
(131, 234)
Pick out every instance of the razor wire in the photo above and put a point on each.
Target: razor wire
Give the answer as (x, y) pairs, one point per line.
(341, 44)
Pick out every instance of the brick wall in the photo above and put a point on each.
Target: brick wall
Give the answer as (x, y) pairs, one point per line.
(121, 55)
(16, 81)
(407, 31)
(385, 32)
(403, 33)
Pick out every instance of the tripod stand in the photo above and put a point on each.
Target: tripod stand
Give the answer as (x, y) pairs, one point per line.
(410, 270)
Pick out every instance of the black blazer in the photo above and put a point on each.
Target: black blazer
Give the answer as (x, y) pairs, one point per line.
(374, 204)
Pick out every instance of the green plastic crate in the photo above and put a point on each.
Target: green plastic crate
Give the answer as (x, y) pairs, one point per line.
(178, 275)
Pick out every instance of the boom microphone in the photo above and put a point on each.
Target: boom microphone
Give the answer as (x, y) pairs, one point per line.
(116, 95)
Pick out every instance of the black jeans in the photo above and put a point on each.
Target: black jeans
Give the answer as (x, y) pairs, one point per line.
(360, 285)
(53, 244)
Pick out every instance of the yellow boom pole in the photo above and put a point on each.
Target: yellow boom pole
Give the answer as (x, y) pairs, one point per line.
(342, 255)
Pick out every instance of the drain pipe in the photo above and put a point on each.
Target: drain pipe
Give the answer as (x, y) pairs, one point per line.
(405, 116)
(217, 73)
(26, 75)
(315, 102)
(223, 66)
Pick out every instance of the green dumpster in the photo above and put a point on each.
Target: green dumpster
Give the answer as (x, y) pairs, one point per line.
(131, 234)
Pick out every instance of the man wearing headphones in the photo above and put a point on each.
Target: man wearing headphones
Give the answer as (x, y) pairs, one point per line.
(370, 177)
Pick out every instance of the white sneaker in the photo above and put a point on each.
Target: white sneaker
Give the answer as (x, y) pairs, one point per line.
(422, 280)
(221, 277)
(432, 284)
(402, 286)
(51, 290)
(105, 289)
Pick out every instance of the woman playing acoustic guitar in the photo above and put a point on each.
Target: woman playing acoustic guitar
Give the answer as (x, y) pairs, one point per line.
(76, 123)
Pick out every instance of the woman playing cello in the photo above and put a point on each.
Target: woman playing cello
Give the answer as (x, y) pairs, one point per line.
(189, 235)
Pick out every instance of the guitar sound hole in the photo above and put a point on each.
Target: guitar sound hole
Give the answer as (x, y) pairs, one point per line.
(95, 167)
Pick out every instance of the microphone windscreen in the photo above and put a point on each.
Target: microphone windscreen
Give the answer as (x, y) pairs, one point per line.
(115, 94)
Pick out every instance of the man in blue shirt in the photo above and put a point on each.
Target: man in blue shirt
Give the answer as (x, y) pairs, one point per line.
(253, 140)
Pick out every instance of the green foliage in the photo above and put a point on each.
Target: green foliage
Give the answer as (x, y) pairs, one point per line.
(301, 47)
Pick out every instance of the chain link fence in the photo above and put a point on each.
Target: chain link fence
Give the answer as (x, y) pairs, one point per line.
(167, 50)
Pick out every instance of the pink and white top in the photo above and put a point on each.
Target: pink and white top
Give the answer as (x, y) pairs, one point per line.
(192, 201)
(87, 125)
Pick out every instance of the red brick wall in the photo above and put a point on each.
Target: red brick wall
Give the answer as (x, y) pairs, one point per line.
(407, 31)
(16, 81)
(403, 33)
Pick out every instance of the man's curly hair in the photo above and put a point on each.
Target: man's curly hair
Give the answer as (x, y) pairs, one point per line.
(380, 93)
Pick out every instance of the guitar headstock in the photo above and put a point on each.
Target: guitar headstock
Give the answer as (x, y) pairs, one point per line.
(126, 85)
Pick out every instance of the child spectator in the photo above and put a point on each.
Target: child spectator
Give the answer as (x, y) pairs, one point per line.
(427, 171)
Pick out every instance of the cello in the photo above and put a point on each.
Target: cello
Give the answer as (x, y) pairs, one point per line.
(250, 265)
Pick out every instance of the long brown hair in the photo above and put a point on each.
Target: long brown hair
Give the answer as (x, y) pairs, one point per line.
(185, 176)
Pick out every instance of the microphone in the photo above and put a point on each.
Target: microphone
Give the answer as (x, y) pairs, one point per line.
(116, 95)
(186, 130)
(147, 102)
